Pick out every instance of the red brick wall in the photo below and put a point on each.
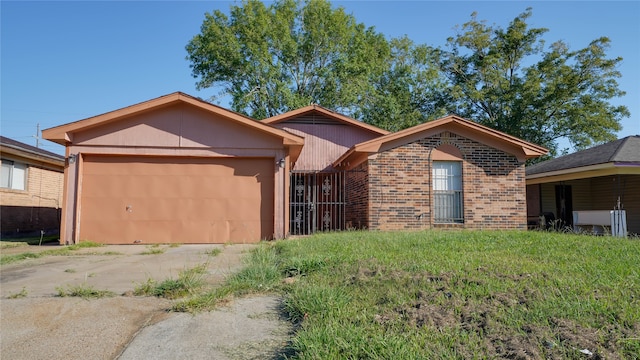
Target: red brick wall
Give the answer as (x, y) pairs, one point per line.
(400, 186)
(399, 190)
(357, 197)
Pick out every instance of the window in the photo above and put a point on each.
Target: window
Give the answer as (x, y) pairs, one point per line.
(13, 175)
(447, 192)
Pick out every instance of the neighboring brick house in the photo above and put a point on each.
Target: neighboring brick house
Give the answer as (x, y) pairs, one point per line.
(31, 184)
(179, 169)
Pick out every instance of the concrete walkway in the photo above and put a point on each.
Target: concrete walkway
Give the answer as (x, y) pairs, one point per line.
(43, 326)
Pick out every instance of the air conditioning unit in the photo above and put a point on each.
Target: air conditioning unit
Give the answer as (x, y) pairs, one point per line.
(600, 221)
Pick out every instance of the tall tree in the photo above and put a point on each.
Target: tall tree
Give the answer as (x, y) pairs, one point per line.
(506, 79)
(410, 91)
(275, 58)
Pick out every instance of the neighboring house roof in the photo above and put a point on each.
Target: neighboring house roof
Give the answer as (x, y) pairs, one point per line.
(620, 156)
(521, 149)
(17, 148)
(63, 134)
(326, 112)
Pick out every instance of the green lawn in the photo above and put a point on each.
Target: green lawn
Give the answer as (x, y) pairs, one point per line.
(450, 294)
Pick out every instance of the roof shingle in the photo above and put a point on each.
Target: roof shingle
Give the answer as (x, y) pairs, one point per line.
(622, 150)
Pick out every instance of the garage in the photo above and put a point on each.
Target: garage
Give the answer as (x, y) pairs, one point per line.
(174, 169)
(134, 199)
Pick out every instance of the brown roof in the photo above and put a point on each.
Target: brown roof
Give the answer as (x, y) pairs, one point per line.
(326, 112)
(521, 149)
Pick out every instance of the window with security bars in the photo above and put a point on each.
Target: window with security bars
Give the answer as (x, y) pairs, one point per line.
(13, 175)
(447, 192)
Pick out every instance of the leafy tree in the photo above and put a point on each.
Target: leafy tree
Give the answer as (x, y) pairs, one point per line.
(275, 58)
(506, 79)
(410, 91)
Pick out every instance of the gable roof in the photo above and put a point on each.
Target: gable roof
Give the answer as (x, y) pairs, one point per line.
(10, 146)
(521, 149)
(327, 113)
(618, 156)
(63, 134)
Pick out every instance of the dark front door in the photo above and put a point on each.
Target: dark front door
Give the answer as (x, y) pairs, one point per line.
(317, 202)
(564, 205)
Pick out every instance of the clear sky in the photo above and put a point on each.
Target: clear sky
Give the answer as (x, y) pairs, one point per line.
(66, 61)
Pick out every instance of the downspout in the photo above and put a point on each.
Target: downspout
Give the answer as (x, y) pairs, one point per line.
(78, 195)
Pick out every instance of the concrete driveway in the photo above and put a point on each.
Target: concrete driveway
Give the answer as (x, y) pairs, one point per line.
(44, 326)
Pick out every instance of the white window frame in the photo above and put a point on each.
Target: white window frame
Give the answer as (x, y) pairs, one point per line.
(13, 175)
(448, 199)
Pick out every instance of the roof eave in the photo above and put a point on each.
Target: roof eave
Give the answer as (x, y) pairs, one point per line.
(63, 134)
(27, 154)
(582, 172)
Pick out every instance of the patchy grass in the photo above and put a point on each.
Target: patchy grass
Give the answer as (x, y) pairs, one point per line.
(260, 274)
(189, 281)
(83, 291)
(35, 240)
(213, 252)
(62, 251)
(20, 294)
(154, 249)
(449, 294)
(12, 244)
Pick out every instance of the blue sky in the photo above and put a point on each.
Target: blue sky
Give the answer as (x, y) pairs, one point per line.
(66, 61)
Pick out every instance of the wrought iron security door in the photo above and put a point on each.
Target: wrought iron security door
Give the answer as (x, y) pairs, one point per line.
(317, 202)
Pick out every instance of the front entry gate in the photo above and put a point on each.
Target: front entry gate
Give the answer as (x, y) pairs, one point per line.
(317, 202)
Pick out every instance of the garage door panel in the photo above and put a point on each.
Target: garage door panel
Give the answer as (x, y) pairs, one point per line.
(126, 199)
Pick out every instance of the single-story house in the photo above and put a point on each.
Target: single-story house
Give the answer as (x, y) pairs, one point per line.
(179, 169)
(604, 177)
(31, 182)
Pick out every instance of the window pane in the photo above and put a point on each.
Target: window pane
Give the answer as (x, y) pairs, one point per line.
(19, 176)
(5, 174)
(447, 175)
(447, 191)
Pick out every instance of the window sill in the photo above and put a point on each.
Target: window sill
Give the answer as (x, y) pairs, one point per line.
(448, 225)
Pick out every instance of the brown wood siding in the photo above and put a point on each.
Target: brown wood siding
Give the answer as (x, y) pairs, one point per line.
(600, 193)
(325, 140)
(608, 188)
(548, 195)
(533, 205)
(582, 195)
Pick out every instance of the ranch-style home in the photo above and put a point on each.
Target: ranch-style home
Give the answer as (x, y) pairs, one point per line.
(179, 169)
(587, 186)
